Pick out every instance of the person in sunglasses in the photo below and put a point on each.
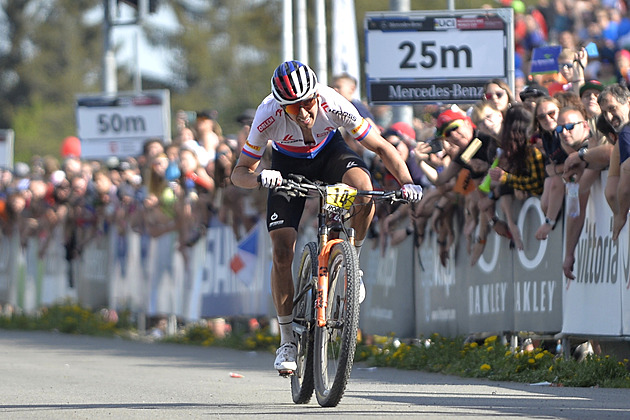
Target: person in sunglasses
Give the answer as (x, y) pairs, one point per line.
(574, 132)
(301, 118)
(498, 93)
(571, 66)
(543, 128)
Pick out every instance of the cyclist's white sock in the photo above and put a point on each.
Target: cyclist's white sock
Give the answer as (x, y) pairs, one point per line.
(357, 246)
(286, 329)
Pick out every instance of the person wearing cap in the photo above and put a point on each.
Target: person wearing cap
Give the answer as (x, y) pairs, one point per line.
(472, 147)
(301, 118)
(530, 94)
(471, 153)
(595, 155)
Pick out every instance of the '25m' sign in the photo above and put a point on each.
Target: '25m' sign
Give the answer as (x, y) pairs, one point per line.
(434, 54)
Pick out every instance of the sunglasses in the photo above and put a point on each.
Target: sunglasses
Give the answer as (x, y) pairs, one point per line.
(307, 104)
(568, 126)
(498, 95)
(550, 114)
(452, 127)
(565, 66)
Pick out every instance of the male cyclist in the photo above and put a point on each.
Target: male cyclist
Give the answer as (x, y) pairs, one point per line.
(301, 118)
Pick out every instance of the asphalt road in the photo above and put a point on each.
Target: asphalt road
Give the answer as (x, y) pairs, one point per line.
(58, 376)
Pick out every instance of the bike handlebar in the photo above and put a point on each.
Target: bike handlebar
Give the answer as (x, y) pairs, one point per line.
(299, 186)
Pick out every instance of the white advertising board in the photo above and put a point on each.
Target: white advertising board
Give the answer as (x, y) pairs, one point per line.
(118, 125)
(441, 56)
(593, 302)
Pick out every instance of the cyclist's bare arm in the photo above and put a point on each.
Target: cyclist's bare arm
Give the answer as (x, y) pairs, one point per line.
(244, 173)
(390, 156)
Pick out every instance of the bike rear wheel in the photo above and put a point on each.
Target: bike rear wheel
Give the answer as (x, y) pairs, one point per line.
(302, 379)
(336, 342)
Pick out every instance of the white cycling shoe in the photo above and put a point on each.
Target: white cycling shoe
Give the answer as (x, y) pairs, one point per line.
(285, 357)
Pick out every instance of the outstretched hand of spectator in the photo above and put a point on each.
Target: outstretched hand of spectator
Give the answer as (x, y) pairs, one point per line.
(582, 58)
(423, 150)
(573, 165)
(543, 231)
(567, 266)
(619, 222)
(496, 174)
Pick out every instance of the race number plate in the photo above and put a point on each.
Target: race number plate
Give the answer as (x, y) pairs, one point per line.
(340, 197)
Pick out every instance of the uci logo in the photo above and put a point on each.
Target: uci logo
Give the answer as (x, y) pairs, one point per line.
(445, 23)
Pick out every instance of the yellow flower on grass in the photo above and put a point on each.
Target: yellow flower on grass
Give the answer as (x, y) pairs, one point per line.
(539, 356)
(531, 361)
(490, 340)
(490, 348)
(485, 367)
(473, 345)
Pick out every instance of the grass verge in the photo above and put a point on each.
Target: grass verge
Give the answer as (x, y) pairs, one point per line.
(453, 356)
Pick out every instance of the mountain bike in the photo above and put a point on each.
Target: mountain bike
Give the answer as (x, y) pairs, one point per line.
(326, 300)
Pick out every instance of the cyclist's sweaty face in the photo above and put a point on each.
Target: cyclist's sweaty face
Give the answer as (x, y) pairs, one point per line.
(303, 112)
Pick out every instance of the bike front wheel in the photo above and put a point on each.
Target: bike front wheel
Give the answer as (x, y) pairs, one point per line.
(303, 307)
(336, 342)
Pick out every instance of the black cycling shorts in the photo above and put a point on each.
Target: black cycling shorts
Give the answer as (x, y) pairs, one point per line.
(329, 166)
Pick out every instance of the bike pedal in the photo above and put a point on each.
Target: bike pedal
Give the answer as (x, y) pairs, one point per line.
(285, 373)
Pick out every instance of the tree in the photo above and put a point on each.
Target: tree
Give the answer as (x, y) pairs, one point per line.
(224, 54)
(52, 54)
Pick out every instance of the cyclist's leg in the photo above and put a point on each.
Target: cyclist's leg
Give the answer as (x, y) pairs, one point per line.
(283, 218)
(283, 247)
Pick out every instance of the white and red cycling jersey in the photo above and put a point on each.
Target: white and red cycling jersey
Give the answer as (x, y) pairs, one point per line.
(271, 123)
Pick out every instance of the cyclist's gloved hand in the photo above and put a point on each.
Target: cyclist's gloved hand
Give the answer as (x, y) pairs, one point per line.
(412, 192)
(270, 178)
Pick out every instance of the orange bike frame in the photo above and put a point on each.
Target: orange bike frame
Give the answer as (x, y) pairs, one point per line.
(321, 302)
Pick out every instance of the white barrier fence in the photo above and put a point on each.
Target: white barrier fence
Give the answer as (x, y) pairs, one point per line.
(409, 292)
(142, 274)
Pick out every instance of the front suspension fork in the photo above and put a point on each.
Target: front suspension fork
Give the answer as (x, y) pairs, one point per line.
(321, 300)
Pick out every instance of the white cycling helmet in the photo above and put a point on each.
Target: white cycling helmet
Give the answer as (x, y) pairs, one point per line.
(293, 82)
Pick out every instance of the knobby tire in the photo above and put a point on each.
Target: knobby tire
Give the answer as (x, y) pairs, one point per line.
(302, 381)
(335, 344)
